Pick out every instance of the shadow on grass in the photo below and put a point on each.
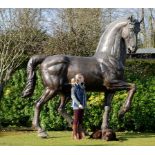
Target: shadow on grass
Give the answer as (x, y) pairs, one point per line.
(122, 139)
(53, 137)
(127, 136)
(139, 135)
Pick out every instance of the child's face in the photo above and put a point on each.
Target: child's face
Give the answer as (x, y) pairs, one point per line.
(79, 79)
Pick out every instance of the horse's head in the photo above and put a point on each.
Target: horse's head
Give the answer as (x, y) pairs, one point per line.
(130, 32)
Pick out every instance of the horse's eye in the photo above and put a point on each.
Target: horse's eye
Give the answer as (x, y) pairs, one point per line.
(131, 29)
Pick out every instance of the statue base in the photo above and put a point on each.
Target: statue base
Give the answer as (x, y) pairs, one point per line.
(107, 134)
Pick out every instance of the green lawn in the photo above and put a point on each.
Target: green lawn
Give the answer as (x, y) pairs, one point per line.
(63, 138)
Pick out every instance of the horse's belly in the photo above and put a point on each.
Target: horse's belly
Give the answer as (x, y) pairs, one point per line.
(95, 88)
(90, 69)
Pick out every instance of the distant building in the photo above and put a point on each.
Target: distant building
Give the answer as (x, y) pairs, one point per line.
(146, 53)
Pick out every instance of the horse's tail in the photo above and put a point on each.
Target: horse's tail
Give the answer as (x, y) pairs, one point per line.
(31, 75)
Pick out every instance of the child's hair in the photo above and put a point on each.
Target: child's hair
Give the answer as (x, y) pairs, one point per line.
(73, 81)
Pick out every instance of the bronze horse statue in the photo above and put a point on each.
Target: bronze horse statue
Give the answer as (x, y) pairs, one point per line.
(103, 72)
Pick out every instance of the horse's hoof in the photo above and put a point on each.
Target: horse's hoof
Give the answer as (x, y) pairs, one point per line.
(42, 134)
(109, 135)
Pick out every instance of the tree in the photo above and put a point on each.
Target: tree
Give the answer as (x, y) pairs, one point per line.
(20, 37)
(76, 32)
(11, 50)
(152, 27)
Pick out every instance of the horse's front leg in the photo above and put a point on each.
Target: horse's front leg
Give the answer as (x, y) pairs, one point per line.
(121, 85)
(127, 104)
(107, 108)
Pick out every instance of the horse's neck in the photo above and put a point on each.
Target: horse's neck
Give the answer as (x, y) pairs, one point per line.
(112, 44)
(118, 51)
(123, 51)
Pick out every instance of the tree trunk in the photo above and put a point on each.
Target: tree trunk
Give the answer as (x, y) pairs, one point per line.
(1, 90)
(143, 28)
(1, 94)
(152, 28)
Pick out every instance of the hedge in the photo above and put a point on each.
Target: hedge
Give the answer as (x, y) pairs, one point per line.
(18, 112)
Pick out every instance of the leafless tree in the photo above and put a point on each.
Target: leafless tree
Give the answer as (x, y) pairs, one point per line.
(17, 32)
(66, 31)
(75, 32)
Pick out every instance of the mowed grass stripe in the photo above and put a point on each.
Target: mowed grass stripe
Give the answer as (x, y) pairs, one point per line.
(64, 138)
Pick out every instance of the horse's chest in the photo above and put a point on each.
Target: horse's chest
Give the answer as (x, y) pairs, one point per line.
(112, 71)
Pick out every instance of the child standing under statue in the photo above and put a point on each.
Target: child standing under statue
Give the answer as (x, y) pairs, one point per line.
(78, 96)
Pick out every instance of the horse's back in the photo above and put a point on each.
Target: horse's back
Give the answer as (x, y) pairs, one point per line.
(73, 64)
(59, 69)
(65, 66)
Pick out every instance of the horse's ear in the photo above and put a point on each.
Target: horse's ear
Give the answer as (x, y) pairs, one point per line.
(142, 19)
(130, 18)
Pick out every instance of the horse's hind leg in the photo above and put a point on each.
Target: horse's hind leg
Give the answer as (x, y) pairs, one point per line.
(64, 99)
(63, 113)
(48, 94)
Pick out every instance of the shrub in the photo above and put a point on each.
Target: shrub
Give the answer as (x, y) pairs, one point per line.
(16, 111)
